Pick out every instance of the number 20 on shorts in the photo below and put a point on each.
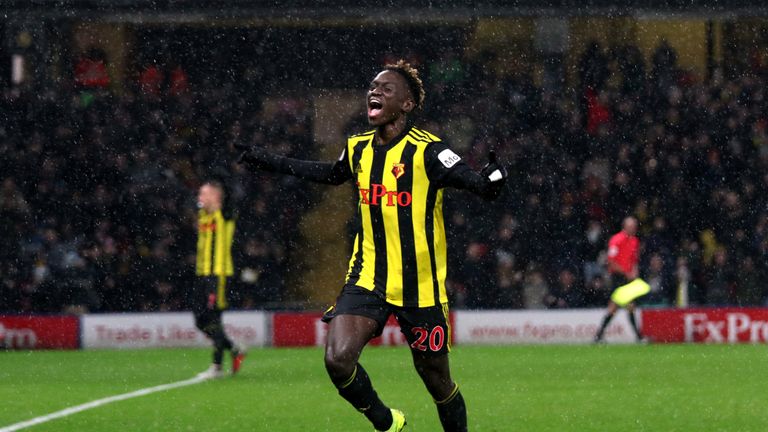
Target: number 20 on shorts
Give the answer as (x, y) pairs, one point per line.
(436, 338)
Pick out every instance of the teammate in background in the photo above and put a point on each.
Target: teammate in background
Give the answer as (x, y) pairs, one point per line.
(214, 267)
(622, 261)
(398, 262)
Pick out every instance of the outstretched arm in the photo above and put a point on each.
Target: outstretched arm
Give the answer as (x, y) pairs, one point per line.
(448, 169)
(257, 158)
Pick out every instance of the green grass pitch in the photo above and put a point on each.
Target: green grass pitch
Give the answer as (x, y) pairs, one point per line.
(507, 388)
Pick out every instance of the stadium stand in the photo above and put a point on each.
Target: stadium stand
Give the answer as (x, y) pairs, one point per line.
(96, 199)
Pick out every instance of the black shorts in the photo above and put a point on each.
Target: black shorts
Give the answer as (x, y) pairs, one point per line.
(616, 280)
(206, 293)
(426, 329)
(205, 318)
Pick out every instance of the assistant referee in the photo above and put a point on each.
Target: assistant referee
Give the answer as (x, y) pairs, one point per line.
(622, 262)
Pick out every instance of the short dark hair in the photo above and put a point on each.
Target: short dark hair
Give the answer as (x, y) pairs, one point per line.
(411, 76)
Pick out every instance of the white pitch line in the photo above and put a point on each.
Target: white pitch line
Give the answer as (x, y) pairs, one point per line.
(99, 402)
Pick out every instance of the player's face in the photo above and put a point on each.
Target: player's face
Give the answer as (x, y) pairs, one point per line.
(388, 98)
(208, 197)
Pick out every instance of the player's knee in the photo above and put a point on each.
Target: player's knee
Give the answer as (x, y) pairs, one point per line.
(439, 384)
(202, 326)
(202, 321)
(339, 363)
(433, 371)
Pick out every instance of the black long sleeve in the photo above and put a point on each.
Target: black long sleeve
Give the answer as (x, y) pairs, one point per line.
(334, 173)
(447, 169)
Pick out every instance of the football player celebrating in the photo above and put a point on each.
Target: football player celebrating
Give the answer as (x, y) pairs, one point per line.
(398, 263)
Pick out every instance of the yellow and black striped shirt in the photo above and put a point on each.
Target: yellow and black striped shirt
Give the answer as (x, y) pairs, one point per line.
(400, 246)
(215, 233)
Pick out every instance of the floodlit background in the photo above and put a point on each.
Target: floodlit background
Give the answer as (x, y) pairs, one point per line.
(112, 113)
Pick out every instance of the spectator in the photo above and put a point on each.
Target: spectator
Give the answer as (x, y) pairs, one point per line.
(565, 293)
(151, 79)
(482, 290)
(597, 292)
(662, 282)
(509, 281)
(593, 67)
(91, 70)
(594, 257)
(751, 288)
(534, 290)
(721, 280)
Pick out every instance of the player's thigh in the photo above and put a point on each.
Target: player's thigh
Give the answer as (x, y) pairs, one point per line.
(356, 318)
(205, 318)
(427, 330)
(348, 334)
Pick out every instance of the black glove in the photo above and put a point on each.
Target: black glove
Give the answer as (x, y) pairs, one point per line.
(496, 174)
(257, 158)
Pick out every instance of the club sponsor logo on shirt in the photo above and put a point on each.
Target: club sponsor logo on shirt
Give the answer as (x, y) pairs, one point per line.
(379, 195)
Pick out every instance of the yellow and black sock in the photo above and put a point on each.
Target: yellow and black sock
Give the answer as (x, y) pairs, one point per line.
(221, 342)
(453, 412)
(359, 392)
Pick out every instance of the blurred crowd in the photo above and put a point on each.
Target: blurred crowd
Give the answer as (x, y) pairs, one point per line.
(688, 157)
(97, 200)
(98, 195)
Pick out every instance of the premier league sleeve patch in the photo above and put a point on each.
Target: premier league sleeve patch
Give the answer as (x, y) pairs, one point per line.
(448, 158)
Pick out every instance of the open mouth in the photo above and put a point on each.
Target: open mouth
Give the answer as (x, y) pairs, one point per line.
(374, 107)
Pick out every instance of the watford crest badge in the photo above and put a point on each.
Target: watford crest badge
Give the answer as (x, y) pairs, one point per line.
(398, 169)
